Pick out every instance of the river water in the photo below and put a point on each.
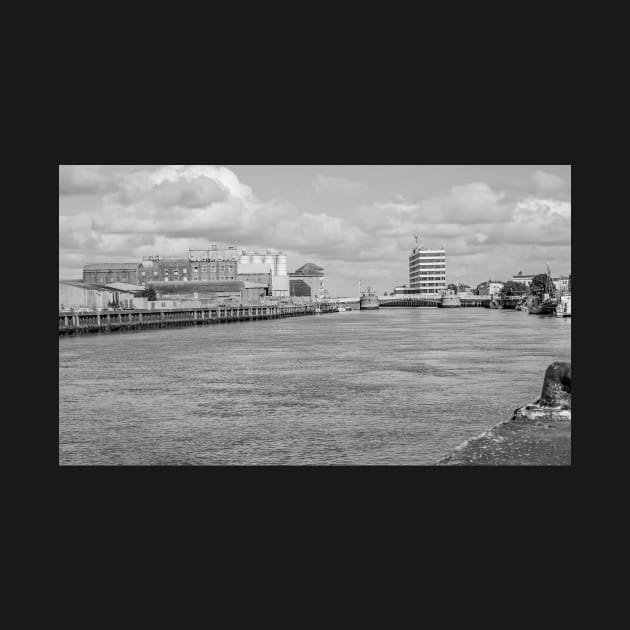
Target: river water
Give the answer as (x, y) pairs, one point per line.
(393, 386)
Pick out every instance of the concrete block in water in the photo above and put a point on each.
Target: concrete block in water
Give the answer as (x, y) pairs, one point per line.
(556, 391)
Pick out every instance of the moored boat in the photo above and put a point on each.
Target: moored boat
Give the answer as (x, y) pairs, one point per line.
(546, 303)
(536, 306)
(509, 301)
(563, 308)
(369, 301)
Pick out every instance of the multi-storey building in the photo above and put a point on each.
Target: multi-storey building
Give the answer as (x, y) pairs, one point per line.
(427, 270)
(201, 264)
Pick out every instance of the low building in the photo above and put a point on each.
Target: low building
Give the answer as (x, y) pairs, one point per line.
(307, 283)
(519, 277)
(106, 273)
(211, 292)
(75, 294)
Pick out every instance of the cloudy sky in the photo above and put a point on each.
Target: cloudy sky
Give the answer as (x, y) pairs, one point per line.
(355, 221)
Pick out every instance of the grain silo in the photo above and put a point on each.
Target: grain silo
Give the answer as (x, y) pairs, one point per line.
(256, 258)
(244, 259)
(270, 260)
(281, 264)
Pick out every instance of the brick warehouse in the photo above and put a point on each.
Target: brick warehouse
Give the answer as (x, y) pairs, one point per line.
(106, 273)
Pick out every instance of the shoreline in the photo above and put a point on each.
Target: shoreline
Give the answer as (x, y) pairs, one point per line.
(537, 434)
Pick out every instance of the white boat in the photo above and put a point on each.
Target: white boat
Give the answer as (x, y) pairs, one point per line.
(563, 308)
(450, 300)
(342, 309)
(369, 301)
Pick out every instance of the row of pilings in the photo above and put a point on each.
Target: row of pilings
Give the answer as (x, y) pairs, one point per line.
(118, 321)
(407, 302)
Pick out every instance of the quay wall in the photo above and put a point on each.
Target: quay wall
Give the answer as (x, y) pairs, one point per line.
(118, 321)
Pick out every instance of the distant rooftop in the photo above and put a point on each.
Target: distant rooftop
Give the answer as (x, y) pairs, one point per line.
(310, 269)
(86, 285)
(124, 286)
(111, 266)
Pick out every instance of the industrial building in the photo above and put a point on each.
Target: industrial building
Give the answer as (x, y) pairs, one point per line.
(269, 268)
(201, 264)
(106, 273)
(427, 270)
(307, 283)
(208, 292)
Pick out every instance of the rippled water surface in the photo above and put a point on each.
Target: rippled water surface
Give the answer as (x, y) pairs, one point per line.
(393, 386)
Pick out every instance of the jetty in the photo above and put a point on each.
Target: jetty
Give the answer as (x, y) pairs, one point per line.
(72, 323)
(537, 434)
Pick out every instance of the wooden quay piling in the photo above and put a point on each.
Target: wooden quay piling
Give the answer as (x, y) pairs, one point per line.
(72, 323)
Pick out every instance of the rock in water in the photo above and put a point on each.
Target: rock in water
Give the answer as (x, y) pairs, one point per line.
(556, 389)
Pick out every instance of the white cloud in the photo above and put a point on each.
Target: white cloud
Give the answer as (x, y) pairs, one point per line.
(169, 209)
(547, 181)
(469, 203)
(325, 183)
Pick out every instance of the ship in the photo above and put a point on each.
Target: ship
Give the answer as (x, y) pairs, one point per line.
(545, 304)
(369, 301)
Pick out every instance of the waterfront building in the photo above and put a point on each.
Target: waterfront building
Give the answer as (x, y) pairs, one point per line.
(307, 283)
(106, 273)
(490, 287)
(427, 270)
(269, 268)
(209, 292)
(201, 264)
(519, 277)
(75, 294)
(562, 284)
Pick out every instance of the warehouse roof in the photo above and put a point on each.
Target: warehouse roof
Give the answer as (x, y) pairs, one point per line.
(124, 286)
(310, 269)
(86, 285)
(111, 266)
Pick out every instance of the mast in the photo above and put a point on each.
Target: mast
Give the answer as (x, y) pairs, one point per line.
(550, 287)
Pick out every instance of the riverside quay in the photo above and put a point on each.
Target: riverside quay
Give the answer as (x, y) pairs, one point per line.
(85, 323)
